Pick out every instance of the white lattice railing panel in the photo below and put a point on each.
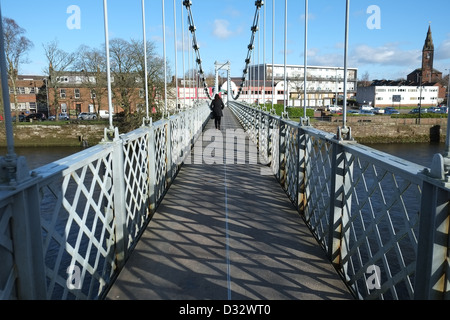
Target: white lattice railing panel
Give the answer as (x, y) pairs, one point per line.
(292, 162)
(137, 182)
(383, 229)
(317, 164)
(8, 276)
(78, 232)
(161, 158)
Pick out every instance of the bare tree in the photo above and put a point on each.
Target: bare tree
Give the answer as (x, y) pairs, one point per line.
(59, 62)
(155, 69)
(123, 69)
(16, 46)
(92, 64)
(365, 80)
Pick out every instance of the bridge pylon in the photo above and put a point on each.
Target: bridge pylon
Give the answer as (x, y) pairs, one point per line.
(226, 66)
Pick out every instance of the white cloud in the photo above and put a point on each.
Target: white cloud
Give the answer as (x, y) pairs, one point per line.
(443, 50)
(387, 55)
(221, 30)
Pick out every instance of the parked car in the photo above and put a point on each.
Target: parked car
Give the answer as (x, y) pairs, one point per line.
(378, 111)
(334, 108)
(442, 110)
(366, 112)
(87, 116)
(417, 110)
(35, 117)
(62, 116)
(433, 109)
(104, 114)
(390, 111)
(366, 107)
(21, 118)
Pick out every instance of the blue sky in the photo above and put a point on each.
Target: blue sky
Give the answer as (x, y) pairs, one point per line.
(389, 48)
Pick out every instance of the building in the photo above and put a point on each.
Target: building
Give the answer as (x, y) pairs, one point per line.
(324, 84)
(30, 95)
(422, 88)
(74, 92)
(427, 73)
(385, 93)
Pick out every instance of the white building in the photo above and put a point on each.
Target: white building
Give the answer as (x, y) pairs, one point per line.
(323, 84)
(386, 93)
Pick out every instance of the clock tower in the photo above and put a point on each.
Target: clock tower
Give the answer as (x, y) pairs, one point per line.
(427, 57)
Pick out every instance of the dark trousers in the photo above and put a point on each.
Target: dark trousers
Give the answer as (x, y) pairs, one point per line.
(217, 121)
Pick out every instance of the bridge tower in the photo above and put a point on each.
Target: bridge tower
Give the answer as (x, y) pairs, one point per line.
(226, 66)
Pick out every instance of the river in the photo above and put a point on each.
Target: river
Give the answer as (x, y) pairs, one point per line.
(420, 153)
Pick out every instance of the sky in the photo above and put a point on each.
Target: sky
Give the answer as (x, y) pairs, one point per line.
(385, 37)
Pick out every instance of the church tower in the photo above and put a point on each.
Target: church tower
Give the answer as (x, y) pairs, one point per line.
(427, 57)
(426, 74)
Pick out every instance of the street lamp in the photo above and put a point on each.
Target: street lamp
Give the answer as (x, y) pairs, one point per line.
(420, 98)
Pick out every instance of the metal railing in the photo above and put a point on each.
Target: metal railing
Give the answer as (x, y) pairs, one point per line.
(66, 232)
(382, 220)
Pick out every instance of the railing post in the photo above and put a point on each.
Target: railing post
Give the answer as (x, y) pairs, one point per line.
(432, 268)
(340, 205)
(169, 173)
(152, 169)
(27, 241)
(282, 154)
(301, 171)
(120, 213)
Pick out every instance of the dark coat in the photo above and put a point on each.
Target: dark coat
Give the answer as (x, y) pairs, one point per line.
(216, 107)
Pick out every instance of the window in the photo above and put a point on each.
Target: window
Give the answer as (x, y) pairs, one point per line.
(93, 95)
(77, 94)
(62, 93)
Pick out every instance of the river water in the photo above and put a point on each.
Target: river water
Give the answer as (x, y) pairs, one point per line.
(420, 153)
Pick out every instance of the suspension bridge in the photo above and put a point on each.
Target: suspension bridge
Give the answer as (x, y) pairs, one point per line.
(265, 208)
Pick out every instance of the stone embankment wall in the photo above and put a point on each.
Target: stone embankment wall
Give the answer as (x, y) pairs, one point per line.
(71, 135)
(382, 129)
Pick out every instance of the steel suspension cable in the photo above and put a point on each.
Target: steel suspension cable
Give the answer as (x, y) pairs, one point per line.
(176, 56)
(145, 61)
(184, 69)
(273, 54)
(165, 60)
(192, 29)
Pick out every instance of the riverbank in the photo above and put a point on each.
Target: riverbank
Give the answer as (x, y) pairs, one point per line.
(365, 130)
(65, 135)
(382, 129)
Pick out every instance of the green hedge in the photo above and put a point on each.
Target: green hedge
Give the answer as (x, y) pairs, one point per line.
(293, 112)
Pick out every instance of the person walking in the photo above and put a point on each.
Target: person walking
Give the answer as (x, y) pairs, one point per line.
(216, 107)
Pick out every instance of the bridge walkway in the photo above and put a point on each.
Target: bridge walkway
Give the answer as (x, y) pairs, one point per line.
(226, 232)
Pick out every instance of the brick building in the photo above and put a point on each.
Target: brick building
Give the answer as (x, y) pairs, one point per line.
(30, 95)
